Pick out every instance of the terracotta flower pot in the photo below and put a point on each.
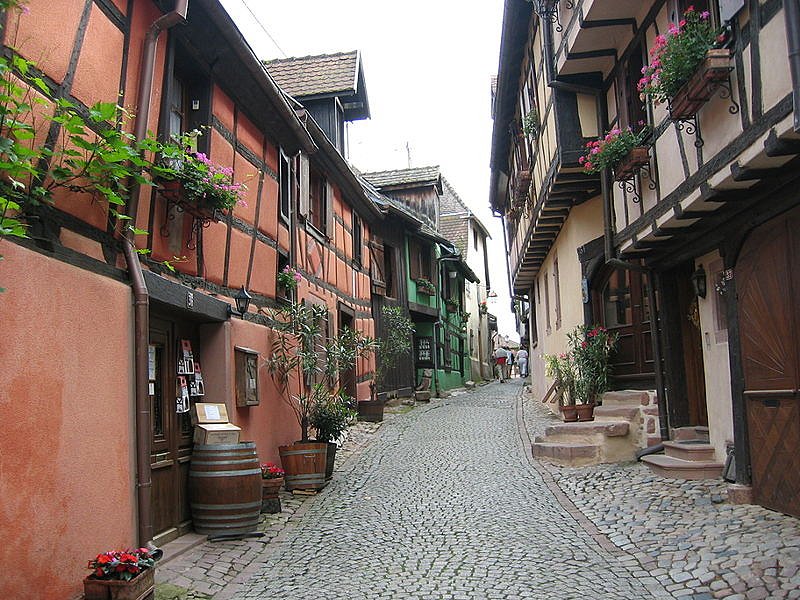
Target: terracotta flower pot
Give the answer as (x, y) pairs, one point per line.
(141, 587)
(569, 413)
(270, 502)
(585, 412)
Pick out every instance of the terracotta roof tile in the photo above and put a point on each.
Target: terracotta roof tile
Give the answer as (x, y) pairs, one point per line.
(315, 75)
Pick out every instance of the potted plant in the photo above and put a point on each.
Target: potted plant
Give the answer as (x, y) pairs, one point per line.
(620, 149)
(120, 575)
(425, 286)
(388, 351)
(451, 305)
(305, 366)
(561, 368)
(193, 183)
(483, 308)
(590, 349)
(331, 417)
(288, 279)
(530, 123)
(271, 483)
(687, 65)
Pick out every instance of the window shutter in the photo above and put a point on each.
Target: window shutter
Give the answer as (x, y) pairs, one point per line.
(329, 223)
(305, 182)
(376, 265)
(414, 260)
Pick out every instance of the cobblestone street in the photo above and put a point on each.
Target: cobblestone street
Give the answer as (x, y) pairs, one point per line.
(443, 502)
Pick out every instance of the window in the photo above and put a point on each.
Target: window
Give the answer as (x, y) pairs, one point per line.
(533, 335)
(357, 240)
(177, 109)
(475, 240)
(547, 303)
(283, 262)
(419, 257)
(557, 292)
(376, 266)
(285, 190)
(317, 201)
(632, 108)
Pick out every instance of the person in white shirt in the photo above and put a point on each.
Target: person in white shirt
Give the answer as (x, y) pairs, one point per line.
(500, 356)
(522, 362)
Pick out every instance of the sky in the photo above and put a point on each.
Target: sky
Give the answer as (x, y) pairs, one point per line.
(428, 66)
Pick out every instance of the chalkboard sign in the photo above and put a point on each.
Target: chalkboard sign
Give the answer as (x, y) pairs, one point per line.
(423, 352)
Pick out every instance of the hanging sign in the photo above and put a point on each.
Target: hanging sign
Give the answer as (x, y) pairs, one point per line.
(182, 400)
(185, 359)
(423, 352)
(196, 385)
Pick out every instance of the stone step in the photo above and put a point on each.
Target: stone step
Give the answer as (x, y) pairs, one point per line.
(589, 428)
(675, 468)
(626, 398)
(566, 453)
(690, 450)
(616, 413)
(698, 432)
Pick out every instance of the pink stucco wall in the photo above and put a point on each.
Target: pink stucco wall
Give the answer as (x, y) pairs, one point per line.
(66, 472)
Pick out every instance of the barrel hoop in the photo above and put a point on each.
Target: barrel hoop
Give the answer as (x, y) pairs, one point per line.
(242, 528)
(247, 517)
(243, 461)
(225, 506)
(215, 447)
(224, 473)
(297, 452)
(251, 454)
(314, 477)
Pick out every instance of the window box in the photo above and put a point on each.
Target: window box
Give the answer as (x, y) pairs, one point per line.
(638, 157)
(425, 287)
(451, 306)
(175, 194)
(702, 86)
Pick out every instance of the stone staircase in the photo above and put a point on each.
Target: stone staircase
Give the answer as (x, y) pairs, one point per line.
(685, 459)
(614, 436)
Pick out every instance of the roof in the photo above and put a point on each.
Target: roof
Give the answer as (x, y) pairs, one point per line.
(418, 176)
(323, 74)
(452, 205)
(455, 229)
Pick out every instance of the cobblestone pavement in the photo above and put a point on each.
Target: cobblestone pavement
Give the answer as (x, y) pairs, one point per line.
(441, 504)
(683, 533)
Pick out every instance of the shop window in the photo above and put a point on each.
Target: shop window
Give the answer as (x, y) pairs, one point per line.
(246, 377)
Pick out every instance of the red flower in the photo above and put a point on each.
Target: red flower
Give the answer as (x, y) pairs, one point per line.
(103, 559)
(583, 344)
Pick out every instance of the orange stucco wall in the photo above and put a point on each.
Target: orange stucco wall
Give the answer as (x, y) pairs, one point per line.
(66, 470)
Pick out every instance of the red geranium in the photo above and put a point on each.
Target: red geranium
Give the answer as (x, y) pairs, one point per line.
(121, 564)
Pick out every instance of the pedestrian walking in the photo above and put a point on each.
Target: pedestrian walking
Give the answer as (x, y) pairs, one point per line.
(500, 356)
(509, 363)
(522, 362)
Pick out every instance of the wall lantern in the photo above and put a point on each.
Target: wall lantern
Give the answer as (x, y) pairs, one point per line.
(242, 299)
(699, 282)
(491, 294)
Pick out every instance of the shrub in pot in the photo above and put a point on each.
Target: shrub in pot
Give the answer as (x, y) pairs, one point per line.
(331, 417)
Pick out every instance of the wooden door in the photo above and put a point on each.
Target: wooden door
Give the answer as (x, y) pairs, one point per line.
(691, 349)
(767, 283)
(621, 305)
(171, 437)
(347, 377)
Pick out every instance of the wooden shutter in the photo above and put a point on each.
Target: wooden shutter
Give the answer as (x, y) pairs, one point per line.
(414, 259)
(329, 223)
(305, 183)
(376, 267)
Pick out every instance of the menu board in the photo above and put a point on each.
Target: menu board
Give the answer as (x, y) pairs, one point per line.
(423, 352)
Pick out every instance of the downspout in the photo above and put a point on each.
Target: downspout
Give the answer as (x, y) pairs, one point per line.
(791, 15)
(141, 296)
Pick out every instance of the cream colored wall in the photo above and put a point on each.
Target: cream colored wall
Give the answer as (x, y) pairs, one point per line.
(715, 361)
(585, 223)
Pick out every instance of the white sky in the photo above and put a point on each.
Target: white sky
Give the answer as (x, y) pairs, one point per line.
(427, 66)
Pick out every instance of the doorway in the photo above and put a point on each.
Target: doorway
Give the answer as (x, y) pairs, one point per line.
(347, 377)
(171, 432)
(767, 284)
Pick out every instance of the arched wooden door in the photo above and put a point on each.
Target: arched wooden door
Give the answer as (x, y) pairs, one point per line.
(620, 303)
(768, 282)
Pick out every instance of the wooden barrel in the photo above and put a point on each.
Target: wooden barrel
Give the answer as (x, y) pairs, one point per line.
(370, 410)
(225, 488)
(304, 464)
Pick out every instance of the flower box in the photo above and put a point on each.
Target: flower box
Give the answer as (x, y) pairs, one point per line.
(425, 288)
(702, 86)
(451, 307)
(638, 157)
(141, 587)
(174, 193)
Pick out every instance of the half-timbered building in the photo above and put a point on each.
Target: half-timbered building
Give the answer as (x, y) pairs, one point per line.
(96, 444)
(689, 257)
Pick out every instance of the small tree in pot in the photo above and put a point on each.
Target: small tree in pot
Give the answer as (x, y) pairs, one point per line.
(331, 417)
(304, 363)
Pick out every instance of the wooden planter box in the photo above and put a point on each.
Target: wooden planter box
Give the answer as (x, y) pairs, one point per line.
(451, 307)
(425, 290)
(633, 161)
(702, 86)
(141, 587)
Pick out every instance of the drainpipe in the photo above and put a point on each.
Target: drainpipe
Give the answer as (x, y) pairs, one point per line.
(791, 15)
(141, 313)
